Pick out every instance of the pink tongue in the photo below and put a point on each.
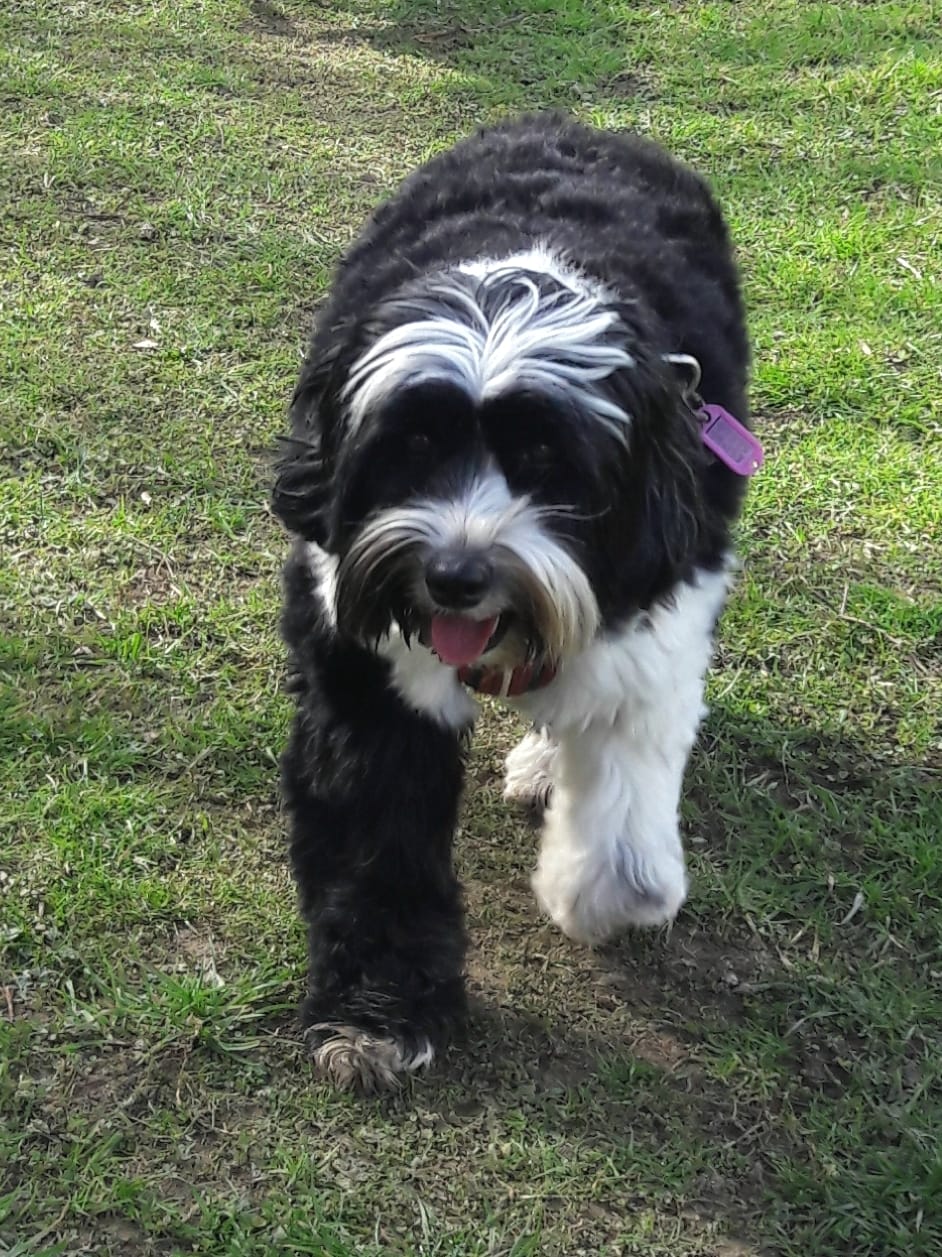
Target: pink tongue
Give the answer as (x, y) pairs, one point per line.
(459, 640)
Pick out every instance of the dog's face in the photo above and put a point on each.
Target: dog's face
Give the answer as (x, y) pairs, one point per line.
(495, 459)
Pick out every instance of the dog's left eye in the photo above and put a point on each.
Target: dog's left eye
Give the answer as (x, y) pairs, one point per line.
(531, 466)
(536, 460)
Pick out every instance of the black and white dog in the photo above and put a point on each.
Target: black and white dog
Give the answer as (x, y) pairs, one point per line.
(501, 477)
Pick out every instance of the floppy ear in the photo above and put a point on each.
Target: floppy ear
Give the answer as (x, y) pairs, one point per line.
(673, 498)
(303, 471)
(299, 496)
(673, 459)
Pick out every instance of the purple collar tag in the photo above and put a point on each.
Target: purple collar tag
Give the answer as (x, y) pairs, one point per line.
(732, 443)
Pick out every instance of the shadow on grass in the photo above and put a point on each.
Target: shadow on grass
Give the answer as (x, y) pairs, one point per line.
(596, 55)
(720, 1069)
(581, 43)
(521, 55)
(784, 1034)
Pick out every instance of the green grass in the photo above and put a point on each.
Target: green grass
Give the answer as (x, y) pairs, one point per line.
(179, 179)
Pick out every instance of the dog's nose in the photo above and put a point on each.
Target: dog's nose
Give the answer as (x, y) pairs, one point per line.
(459, 581)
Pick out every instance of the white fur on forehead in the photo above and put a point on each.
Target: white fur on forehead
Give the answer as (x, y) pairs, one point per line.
(539, 260)
(550, 341)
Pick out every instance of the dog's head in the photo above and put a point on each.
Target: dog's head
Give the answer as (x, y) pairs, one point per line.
(497, 457)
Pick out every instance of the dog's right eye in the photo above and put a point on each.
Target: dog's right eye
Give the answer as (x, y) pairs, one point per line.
(418, 443)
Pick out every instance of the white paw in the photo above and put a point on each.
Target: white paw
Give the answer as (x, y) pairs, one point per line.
(593, 895)
(528, 777)
(354, 1060)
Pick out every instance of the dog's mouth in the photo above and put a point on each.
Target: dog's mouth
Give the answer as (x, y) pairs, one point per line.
(460, 640)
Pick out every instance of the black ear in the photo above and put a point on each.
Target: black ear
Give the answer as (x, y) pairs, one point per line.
(303, 471)
(673, 500)
(299, 495)
(673, 459)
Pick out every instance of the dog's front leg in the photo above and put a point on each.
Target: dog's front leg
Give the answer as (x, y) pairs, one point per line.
(611, 853)
(373, 791)
(620, 723)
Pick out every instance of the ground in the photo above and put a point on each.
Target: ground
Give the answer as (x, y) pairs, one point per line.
(765, 1078)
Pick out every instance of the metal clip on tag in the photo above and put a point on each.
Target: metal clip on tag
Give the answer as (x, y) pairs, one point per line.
(733, 444)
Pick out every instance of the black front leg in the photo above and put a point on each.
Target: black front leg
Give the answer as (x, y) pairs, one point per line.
(373, 791)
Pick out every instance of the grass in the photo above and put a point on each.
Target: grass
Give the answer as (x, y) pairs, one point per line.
(179, 180)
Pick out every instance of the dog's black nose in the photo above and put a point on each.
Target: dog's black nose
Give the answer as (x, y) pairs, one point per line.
(459, 581)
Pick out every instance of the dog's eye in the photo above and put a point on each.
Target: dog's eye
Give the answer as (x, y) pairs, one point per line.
(541, 454)
(532, 465)
(537, 459)
(418, 443)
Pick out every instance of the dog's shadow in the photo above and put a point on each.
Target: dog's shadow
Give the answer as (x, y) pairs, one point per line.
(507, 51)
(612, 1078)
(632, 1039)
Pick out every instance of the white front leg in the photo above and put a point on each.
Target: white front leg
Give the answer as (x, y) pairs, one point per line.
(529, 770)
(611, 855)
(622, 718)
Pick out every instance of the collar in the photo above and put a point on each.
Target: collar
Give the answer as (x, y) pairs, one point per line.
(507, 682)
